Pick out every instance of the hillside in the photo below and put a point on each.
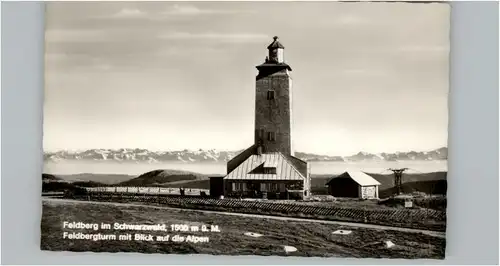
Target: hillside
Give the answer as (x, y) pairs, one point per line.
(311, 239)
(170, 178)
(429, 183)
(208, 156)
(52, 183)
(49, 177)
(100, 178)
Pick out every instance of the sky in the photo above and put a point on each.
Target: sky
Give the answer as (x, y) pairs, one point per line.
(367, 77)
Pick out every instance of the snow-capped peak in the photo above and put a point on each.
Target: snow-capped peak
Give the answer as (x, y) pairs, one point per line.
(213, 155)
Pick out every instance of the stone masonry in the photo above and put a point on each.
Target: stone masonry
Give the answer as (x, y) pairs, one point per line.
(273, 116)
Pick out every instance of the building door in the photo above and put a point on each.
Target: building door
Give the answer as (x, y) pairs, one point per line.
(368, 192)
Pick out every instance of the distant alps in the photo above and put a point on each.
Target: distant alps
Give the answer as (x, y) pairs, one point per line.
(212, 155)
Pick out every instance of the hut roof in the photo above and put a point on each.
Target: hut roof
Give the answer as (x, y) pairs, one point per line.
(359, 177)
(249, 169)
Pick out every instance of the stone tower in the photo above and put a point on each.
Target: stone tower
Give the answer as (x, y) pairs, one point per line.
(273, 103)
(268, 168)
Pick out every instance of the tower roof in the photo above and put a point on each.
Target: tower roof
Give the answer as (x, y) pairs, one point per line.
(275, 44)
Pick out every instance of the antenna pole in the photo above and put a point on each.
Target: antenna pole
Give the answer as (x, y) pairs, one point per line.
(398, 176)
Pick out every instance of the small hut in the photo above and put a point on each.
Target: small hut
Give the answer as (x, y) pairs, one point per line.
(353, 185)
(216, 186)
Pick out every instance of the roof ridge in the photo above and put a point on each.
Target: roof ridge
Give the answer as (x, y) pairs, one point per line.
(292, 165)
(298, 158)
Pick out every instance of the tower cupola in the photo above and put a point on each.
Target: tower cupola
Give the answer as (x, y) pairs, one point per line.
(276, 54)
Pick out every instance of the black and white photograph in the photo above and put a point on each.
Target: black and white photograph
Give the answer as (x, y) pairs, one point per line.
(307, 129)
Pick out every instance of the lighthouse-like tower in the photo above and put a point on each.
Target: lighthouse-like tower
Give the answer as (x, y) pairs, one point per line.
(273, 103)
(268, 168)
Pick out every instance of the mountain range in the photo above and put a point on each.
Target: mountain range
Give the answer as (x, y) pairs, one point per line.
(144, 155)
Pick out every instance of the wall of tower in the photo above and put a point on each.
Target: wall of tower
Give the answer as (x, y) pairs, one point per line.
(273, 115)
(281, 56)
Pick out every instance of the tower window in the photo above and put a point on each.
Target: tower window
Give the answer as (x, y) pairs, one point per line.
(271, 136)
(270, 95)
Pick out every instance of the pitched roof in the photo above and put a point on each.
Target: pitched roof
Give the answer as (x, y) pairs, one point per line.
(275, 44)
(285, 170)
(301, 166)
(359, 177)
(240, 158)
(271, 163)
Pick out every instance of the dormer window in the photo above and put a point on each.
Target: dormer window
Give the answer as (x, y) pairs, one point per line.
(270, 170)
(270, 95)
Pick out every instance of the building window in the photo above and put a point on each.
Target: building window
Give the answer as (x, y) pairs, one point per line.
(270, 95)
(271, 136)
(239, 186)
(268, 187)
(269, 170)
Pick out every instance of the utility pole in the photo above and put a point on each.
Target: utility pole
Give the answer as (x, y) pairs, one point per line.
(398, 175)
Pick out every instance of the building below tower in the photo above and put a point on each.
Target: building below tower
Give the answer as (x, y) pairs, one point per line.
(268, 175)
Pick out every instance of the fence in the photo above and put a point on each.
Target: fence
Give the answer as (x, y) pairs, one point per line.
(409, 218)
(149, 190)
(53, 194)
